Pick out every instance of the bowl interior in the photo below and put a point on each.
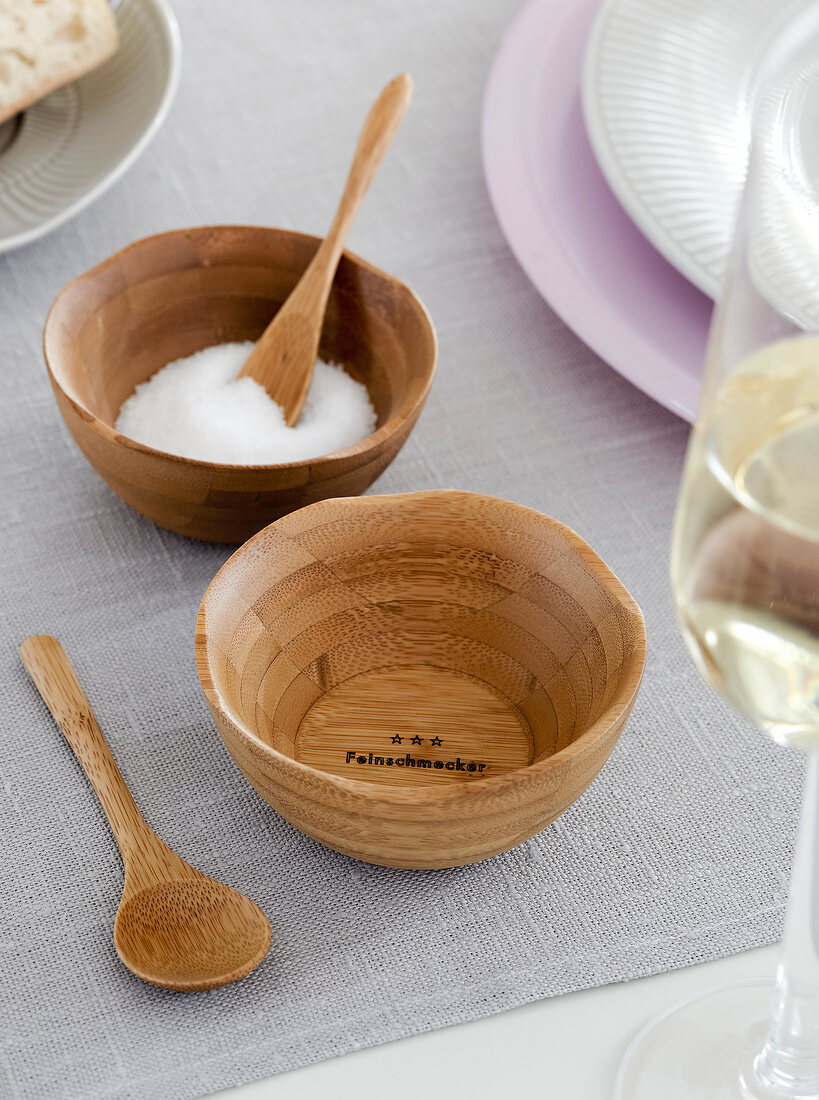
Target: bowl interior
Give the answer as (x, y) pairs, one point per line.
(171, 295)
(419, 638)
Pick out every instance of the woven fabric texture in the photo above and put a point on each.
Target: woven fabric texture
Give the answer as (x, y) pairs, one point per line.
(679, 852)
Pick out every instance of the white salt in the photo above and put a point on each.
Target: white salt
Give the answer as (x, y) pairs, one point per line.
(198, 408)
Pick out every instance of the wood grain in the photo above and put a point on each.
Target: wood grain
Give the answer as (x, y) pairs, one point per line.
(168, 296)
(479, 730)
(439, 615)
(285, 354)
(175, 927)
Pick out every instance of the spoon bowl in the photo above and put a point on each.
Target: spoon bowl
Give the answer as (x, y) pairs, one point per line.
(190, 935)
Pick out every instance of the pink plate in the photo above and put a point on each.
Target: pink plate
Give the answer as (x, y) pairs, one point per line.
(570, 235)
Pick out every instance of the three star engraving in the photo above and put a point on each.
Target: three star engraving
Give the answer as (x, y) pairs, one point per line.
(415, 740)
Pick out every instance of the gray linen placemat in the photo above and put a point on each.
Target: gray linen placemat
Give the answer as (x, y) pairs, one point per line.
(680, 850)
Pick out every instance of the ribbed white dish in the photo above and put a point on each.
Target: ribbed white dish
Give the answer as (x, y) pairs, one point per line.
(667, 86)
(67, 149)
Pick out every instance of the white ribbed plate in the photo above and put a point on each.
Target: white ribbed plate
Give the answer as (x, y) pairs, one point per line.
(666, 92)
(67, 149)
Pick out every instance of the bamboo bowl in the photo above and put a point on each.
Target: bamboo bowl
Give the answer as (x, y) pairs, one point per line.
(173, 294)
(420, 680)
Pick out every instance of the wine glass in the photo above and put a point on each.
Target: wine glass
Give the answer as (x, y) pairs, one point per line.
(745, 576)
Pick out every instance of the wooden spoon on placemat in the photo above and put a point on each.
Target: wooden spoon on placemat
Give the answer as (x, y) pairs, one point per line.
(286, 352)
(175, 927)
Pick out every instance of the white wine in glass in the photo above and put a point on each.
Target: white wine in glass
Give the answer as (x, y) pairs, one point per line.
(745, 577)
(746, 561)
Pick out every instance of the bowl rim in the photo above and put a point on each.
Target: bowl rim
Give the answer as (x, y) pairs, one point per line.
(362, 446)
(429, 796)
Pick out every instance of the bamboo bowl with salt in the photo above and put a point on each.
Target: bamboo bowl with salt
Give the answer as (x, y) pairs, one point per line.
(168, 296)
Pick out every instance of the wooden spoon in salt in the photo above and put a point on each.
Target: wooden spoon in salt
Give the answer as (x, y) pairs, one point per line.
(286, 352)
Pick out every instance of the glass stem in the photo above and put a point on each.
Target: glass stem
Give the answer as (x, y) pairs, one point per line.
(788, 1064)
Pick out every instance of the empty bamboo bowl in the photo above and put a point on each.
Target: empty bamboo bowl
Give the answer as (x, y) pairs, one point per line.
(419, 680)
(168, 296)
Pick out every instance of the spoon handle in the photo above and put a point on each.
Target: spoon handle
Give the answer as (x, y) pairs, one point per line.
(56, 681)
(380, 127)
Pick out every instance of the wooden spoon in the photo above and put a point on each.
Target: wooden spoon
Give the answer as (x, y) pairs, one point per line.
(175, 927)
(286, 352)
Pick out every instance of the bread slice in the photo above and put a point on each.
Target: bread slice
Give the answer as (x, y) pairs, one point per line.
(46, 43)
